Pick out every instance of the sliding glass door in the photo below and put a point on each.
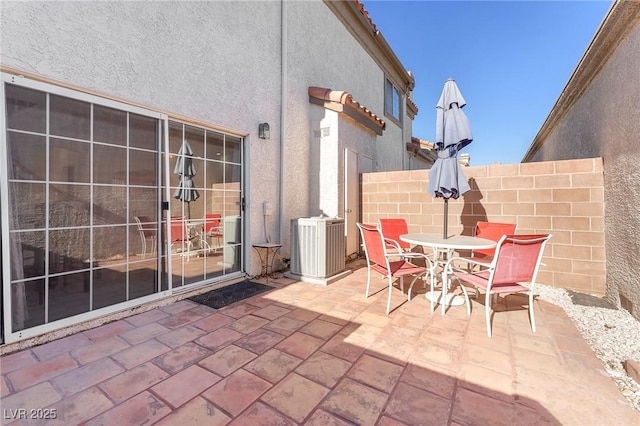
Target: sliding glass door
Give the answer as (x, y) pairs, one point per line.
(79, 172)
(205, 175)
(108, 206)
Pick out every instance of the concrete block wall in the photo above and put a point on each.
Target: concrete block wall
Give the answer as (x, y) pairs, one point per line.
(564, 198)
(225, 198)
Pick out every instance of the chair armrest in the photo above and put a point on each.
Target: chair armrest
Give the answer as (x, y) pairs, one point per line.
(394, 244)
(414, 255)
(151, 231)
(470, 261)
(449, 265)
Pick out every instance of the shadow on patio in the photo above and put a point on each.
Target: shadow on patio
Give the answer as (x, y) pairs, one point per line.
(308, 354)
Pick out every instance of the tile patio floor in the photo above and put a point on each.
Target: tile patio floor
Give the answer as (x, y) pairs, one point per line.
(314, 355)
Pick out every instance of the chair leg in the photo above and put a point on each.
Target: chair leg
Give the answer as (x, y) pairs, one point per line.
(366, 293)
(531, 317)
(144, 248)
(189, 250)
(413, 281)
(445, 289)
(204, 246)
(466, 298)
(432, 289)
(487, 311)
(411, 287)
(389, 297)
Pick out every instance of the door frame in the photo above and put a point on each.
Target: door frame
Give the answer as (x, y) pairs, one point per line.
(355, 164)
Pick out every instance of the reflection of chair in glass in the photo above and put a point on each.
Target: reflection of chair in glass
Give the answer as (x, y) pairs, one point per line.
(180, 235)
(147, 233)
(213, 228)
(378, 260)
(513, 270)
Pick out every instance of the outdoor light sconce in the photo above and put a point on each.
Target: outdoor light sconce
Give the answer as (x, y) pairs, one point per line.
(264, 132)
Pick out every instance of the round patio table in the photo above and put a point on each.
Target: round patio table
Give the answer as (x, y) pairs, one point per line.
(439, 244)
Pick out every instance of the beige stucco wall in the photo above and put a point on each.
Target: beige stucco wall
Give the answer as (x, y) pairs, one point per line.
(322, 52)
(605, 121)
(332, 133)
(196, 59)
(220, 63)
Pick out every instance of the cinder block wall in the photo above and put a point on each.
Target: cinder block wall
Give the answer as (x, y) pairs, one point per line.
(564, 198)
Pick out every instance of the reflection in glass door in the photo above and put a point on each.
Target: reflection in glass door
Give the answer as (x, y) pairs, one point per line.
(205, 209)
(83, 190)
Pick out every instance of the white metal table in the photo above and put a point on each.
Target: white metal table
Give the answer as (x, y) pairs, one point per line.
(196, 232)
(445, 246)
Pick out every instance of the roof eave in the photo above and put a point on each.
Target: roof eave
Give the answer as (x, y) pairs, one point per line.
(619, 21)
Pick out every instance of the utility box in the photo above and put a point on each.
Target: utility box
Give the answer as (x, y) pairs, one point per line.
(317, 249)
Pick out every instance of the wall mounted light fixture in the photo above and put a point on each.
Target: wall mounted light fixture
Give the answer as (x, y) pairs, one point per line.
(264, 132)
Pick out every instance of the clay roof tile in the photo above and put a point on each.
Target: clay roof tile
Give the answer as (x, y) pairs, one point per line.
(342, 97)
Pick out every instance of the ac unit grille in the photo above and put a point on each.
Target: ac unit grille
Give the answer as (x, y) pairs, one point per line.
(317, 247)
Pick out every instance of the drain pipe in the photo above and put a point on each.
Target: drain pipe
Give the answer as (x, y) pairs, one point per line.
(283, 110)
(403, 145)
(407, 90)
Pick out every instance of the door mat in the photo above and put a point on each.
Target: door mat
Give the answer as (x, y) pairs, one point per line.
(588, 300)
(221, 297)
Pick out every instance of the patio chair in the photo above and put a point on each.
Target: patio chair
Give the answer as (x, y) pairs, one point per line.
(491, 231)
(180, 235)
(375, 249)
(147, 232)
(514, 269)
(213, 229)
(392, 229)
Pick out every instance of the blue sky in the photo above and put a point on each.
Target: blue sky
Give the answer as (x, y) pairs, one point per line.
(511, 60)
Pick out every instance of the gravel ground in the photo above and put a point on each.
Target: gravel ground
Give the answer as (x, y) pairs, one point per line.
(614, 336)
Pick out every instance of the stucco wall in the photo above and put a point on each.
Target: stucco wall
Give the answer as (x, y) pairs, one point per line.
(605, 122)
(318, 46)
(332, 133)
(359, 140)
(321, 52)
(195, 59)
(200, 60)
(191, 58)
(324, 190)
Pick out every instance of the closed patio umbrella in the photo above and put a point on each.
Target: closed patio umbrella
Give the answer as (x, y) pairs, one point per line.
(453, 132)
(186, 192)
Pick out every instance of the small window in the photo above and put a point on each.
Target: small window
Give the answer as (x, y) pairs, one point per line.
(392, 101)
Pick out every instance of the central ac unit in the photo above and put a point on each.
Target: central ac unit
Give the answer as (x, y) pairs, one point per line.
(317, 247)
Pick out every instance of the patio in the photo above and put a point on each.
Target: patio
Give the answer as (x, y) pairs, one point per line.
(308, 354)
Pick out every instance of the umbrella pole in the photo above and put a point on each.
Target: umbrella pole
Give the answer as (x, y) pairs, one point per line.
(446, 218)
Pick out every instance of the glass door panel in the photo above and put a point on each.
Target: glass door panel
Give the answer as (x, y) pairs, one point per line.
(81, 175)
(205, 204)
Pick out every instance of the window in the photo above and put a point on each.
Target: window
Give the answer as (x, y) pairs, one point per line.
(392, 102)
